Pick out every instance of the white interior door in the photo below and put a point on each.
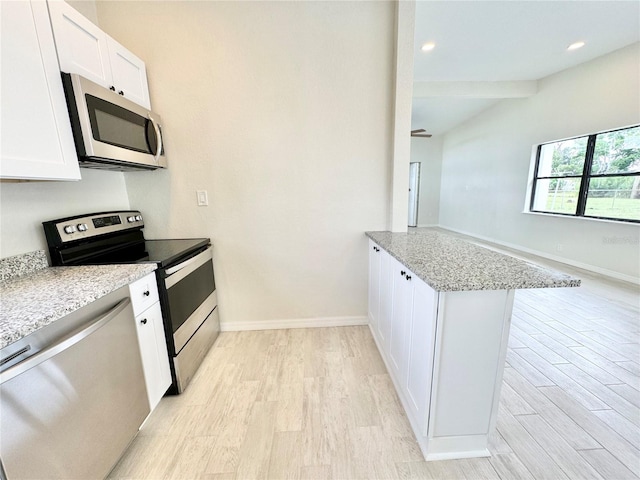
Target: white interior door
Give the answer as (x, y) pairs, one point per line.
(414, 188)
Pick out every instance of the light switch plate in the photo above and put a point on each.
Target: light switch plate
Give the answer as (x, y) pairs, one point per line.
(203, 198)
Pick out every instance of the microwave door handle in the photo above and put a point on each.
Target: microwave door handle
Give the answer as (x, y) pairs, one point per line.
(156, 158)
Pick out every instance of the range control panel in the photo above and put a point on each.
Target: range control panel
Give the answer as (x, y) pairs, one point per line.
(87, 226)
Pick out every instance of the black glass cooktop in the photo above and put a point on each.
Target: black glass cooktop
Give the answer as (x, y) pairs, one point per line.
(166, 252)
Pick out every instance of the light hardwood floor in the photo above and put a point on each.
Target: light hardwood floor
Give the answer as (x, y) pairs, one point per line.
(318, 403)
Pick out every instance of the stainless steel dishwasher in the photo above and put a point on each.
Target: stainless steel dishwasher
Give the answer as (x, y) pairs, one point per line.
(72, 394)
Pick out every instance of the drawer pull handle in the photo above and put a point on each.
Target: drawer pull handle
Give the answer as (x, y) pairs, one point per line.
(143, 321)
(146, 293)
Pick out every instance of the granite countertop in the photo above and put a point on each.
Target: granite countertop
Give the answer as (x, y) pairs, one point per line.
(34, 300)
(447, 263)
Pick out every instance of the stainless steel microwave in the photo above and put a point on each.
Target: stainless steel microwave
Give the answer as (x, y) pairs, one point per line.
(110, 131)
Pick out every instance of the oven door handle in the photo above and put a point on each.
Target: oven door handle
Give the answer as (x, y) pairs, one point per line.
(177, 273)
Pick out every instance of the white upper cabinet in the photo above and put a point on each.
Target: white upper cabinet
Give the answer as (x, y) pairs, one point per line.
(88, 51)
(37, 142)
(129, 74)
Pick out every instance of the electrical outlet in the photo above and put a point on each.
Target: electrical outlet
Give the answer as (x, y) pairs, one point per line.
(559, 247)
(203, 198)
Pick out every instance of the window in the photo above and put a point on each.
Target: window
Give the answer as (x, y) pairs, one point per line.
(596, 176)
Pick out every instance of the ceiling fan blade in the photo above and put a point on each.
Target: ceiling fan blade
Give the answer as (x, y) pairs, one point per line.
(421, 132)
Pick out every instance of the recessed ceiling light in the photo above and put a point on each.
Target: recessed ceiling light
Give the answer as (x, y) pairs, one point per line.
(427, 47)
(575, 46)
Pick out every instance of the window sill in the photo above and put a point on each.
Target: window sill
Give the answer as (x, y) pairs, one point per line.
(589, 219)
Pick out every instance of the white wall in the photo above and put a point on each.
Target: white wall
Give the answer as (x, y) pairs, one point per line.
(25, 205)
(86, 8)
(486, 164)
(281, 111)
(428, 151)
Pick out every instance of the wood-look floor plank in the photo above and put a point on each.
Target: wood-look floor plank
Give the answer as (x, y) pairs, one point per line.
(415, 471)
(607, 465)
(315, 472)
(530, 341)
(625, 428)
(541, 327)
(594, 345)
(631, 367)
(148, 457)
(255, 452)
(627, 392)
(609, 365)
(284, 462)
(192, 458)
(626, 453)
(497, 444)
(509, 467)
(478, 469)
(290, 409)
(604, 334)
(578, 360)
(532, 455)
(561, 422)
(605, 393)
(533, 375)
(513, 402)
(555, 374)
(560, 451)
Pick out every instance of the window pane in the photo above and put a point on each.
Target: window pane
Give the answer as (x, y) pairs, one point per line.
(617, 152)
(562, 158)
(557, 195)
(614, 197)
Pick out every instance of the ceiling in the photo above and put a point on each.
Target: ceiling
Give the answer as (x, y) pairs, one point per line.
(509, 43)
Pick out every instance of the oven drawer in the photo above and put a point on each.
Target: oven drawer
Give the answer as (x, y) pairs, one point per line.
(144, 293)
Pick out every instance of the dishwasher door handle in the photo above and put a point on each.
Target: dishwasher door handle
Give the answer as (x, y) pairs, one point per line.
(62, 344)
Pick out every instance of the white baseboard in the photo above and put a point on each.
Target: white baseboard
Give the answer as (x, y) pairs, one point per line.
(555, 258)
(294, 323)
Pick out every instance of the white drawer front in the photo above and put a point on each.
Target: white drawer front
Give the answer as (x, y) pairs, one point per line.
(144, 293)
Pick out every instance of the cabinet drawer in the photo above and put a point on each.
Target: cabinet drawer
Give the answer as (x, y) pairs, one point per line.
(144, 293)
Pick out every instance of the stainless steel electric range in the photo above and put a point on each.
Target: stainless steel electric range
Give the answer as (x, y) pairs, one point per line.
(185, 278)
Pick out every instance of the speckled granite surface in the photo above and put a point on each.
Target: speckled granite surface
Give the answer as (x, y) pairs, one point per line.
(35, 300)
(448, 264)
(23, 264)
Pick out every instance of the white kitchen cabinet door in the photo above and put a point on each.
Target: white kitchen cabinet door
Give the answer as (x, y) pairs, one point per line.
(403, 280)
(88, 51)
(420, 349)
(386, 300)
(153, 350)
(81, 45)
(374, 284)
(129, 74)
(37, 142)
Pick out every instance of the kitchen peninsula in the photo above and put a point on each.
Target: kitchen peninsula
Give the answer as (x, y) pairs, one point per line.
(440, 311)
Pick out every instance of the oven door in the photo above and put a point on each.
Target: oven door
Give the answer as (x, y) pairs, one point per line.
(191, 294)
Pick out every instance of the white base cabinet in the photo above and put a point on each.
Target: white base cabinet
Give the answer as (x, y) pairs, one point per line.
(37, 142)
(151, 337)
(445, 352)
